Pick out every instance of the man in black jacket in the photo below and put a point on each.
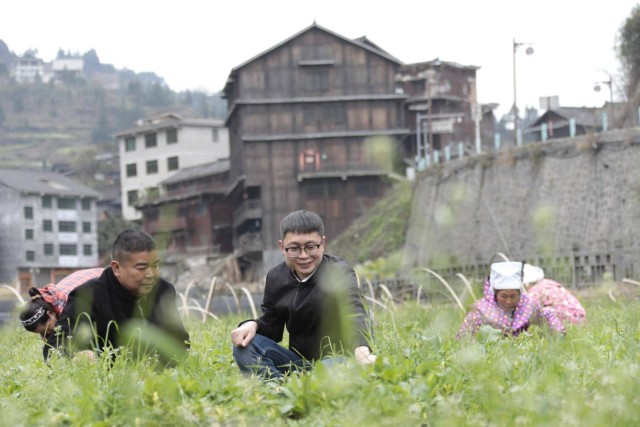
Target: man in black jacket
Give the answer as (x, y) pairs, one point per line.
(129, 304)
(316, 296)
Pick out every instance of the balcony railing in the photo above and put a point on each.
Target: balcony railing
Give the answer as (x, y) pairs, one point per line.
(250, 209)
(331, 170)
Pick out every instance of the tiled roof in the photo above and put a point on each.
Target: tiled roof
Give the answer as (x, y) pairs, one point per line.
(33, 181)
(361, 42)
(169, 122)
(195, 172)
(584, 116)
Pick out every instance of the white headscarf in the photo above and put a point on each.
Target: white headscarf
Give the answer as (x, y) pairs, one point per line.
(532, 274)
(506, 275)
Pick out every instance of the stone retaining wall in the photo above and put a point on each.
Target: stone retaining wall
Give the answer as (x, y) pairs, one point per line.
(571, 206)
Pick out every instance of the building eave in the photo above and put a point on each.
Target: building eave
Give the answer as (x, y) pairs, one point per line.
(324, 135)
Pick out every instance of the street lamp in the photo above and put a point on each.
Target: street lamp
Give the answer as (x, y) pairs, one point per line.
(598, 88)
(528, 51)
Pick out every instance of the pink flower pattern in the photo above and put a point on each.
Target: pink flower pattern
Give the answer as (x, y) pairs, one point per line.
(487, 312)
(552, 295)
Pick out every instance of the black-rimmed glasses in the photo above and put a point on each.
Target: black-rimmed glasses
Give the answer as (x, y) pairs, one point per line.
(295, 251)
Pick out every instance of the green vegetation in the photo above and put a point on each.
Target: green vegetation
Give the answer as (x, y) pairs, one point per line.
(381, 232)
(629, 53)
(61, 118)
(423, 376)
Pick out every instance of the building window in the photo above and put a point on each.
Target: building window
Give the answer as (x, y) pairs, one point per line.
(46, 201)
(150, 140)
(216, 135)
(48, 248)
(66, 203)
(67, 226)
(316, 80)
(68, 249)
(30, 256)
(152, 167)
(132, 197)
(172, 163)
(86, 227)
(366, 189)
(86, 204)
(309, 115)
(315, 190)
(28, 212)
(152, 215)
(132, 169)
(28, 233)
(130, 143)
(87, 250)
(333, 114)
(47, 225)
(172, 136)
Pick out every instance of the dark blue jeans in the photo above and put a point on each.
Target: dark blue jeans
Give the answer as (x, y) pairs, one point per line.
(268, 359)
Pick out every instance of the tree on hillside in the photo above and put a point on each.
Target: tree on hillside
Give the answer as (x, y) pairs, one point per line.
(135, 92)
(108, 230)
(93, 65)
(6, 56)
(629, 52)
(102, 130)
(18, 96)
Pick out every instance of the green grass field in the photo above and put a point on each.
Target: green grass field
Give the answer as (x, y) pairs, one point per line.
(423, 376)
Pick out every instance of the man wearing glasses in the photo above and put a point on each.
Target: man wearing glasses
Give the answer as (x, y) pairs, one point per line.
(315, 296)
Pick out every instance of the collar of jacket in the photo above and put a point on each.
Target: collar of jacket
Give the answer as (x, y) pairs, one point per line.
(120, 291)
(313, 276)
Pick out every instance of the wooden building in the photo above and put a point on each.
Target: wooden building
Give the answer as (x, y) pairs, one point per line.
(193, 215)
(314, 122)
(556, 123)
(442, 108)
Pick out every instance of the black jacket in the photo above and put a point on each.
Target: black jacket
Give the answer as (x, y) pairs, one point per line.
(322, 315)
(112, 308)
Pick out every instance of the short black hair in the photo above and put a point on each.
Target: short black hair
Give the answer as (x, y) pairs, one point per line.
(301, 222)
(131, 241)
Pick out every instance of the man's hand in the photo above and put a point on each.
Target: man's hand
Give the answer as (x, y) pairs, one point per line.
(242, 335)
(364, 356)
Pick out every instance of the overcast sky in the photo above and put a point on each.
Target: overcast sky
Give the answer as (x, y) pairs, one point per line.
(195, 44)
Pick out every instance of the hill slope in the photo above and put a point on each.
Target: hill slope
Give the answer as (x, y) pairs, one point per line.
(381, 231)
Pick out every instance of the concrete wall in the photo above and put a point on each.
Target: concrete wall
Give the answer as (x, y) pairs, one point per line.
(195, 146)
(571, 206)
(11, 239)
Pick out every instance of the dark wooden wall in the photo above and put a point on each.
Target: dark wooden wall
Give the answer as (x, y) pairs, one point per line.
(316, 93)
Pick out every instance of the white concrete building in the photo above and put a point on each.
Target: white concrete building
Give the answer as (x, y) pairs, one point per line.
(48, 227)
(72, 65)
(161, 146)
(28, 68)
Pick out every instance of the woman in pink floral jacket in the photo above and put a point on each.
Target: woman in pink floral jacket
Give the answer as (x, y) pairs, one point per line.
(553, 296)
(505, 307)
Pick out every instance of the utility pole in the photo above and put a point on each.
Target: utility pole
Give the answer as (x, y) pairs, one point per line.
(528, 51)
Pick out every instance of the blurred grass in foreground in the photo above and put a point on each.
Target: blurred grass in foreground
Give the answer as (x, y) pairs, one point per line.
(423, 376)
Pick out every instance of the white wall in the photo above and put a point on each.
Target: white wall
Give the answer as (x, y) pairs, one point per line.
(195, 147)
